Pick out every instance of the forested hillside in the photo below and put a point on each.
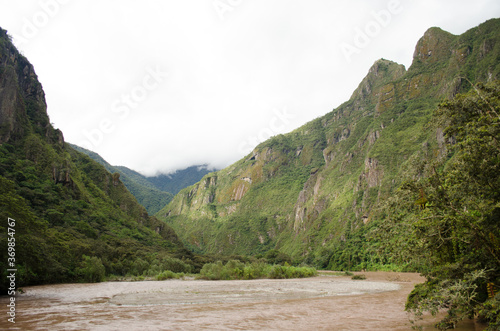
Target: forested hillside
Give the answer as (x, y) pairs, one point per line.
(74, 221)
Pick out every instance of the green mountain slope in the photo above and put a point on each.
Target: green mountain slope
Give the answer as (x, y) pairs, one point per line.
(146, 193)
(74, 221)
(307, 192)
(180, 179)
(152, 192)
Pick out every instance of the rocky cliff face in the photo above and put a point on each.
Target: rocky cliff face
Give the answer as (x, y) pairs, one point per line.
(19, 83)
(23, 110)
(297, 192)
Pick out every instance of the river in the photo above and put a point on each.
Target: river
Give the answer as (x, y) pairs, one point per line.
(326, 302)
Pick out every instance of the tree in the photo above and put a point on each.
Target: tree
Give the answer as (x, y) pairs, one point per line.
(91, 269)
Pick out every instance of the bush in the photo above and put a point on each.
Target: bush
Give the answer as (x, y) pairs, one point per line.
(358, 277)
(91, 269)
(167, 274)
(490, 312)
(277, 272)
(212, 271)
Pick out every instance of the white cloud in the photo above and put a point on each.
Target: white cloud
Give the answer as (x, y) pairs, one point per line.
(226, 77)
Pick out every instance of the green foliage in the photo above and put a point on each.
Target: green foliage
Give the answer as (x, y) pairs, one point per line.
(490, 313)
(286, 271)
(168, 274)
(235, 269)
(274, 256)
(91, 269)
(358, 277)
(456, 232)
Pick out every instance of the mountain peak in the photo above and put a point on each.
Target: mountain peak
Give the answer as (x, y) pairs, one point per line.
(433, 46)
(379, 74)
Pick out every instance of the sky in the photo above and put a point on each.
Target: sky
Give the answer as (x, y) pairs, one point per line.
(162, 85)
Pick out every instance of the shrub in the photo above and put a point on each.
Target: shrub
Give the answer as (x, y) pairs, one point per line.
(277, 272)
(91, 269)
(168, 274)
(358, 277)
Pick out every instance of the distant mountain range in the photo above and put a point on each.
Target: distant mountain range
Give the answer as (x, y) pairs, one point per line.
(152, 192)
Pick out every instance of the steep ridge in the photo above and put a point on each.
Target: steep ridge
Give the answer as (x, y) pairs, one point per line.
(305, 191)
(73, 219)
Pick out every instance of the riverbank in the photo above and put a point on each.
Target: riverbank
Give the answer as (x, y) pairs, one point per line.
(326, 302)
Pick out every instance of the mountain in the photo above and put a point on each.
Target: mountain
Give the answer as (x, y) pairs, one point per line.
(146, 193)
(180, 179)
(315, 192)
(69, 218)
(152, 192)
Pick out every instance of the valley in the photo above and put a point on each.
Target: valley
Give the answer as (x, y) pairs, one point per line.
(400, 183)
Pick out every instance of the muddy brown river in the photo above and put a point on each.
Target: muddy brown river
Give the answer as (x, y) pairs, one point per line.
(326, 302)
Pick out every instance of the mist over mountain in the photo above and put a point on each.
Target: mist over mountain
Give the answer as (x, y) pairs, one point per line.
(151, 192)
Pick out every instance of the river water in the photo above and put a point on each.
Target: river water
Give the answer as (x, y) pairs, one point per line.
(326, 302)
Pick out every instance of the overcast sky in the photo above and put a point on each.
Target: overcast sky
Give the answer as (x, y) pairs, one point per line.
(161, 85)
